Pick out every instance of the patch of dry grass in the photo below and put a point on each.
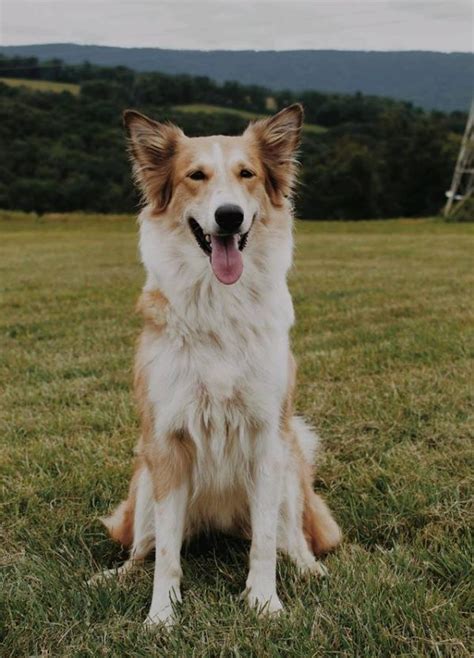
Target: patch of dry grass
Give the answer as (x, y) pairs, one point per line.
(42, 85)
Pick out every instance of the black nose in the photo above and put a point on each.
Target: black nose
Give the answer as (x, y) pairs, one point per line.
(229, 217)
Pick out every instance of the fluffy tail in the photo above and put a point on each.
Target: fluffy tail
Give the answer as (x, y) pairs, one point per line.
(120, 522)
(320, 529)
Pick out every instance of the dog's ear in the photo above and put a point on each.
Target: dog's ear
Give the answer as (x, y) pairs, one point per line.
(152, 147)
(278, 138)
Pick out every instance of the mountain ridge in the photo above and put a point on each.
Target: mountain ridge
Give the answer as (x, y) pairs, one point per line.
(429, 79)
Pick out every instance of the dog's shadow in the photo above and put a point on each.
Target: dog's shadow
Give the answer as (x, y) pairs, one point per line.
(206, 559)
(216, 556)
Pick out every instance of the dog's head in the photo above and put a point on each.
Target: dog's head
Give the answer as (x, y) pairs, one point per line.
(216, 187)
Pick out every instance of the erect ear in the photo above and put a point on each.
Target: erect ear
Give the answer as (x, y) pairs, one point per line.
(152, 147)
(278, 138)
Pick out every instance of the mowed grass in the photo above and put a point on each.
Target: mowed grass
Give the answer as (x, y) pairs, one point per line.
(203, 108)
(42, 85)
(384, 343)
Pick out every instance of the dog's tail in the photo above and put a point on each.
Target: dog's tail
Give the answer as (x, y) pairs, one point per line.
(121, 521)
(320, 529)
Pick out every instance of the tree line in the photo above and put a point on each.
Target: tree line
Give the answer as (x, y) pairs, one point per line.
(61, 152)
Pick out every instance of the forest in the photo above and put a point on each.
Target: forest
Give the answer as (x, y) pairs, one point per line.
(372, 157)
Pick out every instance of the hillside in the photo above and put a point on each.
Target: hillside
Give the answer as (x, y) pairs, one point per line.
(430, 80)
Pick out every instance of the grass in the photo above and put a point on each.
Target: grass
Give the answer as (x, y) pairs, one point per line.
(384, 342)
(42, 85)
(216, 109)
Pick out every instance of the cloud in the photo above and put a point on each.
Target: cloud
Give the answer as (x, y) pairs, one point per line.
(252, 24)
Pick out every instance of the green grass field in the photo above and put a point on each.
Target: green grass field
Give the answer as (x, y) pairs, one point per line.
(384, 341)
(216, 109)
(42, 85)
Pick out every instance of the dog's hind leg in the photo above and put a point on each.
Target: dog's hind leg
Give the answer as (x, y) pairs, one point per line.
(143, 520)
(307, 526)
(321, 530)
(132, 524)
(291, 536)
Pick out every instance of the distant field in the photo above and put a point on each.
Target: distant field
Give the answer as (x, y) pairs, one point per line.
(213, 109)
(42, 85)
(384, 340)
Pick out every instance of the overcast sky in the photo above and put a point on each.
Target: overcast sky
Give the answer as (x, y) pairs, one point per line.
(444, 25)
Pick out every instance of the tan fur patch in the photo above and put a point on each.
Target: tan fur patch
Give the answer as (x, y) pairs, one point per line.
(169, 463)
(287, 406)
(153, 305)
(321, 531)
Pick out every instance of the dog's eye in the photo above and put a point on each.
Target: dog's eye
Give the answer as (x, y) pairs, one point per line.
(197, 175)
(246, 173)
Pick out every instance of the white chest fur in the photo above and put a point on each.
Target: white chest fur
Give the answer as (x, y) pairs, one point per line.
(219, 370)
(220, 386)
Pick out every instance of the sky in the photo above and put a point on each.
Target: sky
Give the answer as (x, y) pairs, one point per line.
(445, 25)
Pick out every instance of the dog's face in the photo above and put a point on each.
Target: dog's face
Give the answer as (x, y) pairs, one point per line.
(216, 187)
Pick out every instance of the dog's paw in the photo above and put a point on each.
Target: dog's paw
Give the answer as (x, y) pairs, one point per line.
(102, 577)
(119, 573)
(318, 569)
(163, 608)
(264, 603)
(312, 567)
(306, 563)
(164, 618)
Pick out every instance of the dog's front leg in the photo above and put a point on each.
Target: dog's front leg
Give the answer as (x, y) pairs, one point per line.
(264, 511)
(169, 517)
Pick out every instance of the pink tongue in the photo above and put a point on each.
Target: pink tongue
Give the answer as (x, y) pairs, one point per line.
(226, 259)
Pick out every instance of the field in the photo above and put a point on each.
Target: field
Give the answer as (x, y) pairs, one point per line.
(216, 109)
(42, 85)
(384, 343)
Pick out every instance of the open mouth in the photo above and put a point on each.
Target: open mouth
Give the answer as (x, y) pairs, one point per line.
(205, 242)
(224, 252)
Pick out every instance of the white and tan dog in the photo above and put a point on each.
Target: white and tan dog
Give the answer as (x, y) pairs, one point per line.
(214, 374)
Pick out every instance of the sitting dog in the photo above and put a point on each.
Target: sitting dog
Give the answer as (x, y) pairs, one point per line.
(220, 446)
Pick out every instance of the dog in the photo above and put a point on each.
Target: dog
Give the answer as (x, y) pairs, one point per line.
(220, 446)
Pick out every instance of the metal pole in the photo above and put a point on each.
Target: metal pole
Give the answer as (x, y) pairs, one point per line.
(464, 168)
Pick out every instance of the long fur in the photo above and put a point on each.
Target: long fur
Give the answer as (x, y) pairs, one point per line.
(220, 445)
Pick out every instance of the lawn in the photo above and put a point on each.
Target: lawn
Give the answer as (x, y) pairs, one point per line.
(42, 85)
(203, 108)
(384, 341)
